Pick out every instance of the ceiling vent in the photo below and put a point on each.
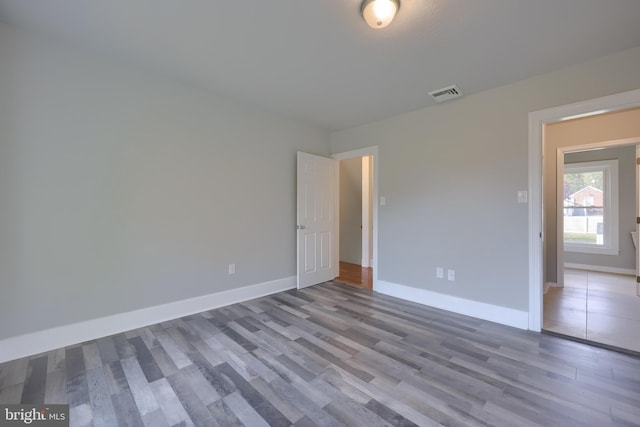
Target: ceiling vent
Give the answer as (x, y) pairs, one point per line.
(447, 93)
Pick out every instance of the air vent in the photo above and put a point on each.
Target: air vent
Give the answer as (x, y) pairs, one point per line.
(447, 93)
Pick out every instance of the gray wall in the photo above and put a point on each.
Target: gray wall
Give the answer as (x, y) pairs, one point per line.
(450, 174)
(122, 189)
(613, 126)
(351, 210)
(627, 205)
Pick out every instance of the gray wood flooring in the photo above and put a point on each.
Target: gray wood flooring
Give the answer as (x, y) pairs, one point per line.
(330, 355)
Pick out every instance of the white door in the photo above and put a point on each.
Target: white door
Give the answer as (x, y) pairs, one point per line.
(316, 218)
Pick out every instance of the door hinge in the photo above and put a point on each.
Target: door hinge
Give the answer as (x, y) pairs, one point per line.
(638, 279)
(638, 220)
(637, 160)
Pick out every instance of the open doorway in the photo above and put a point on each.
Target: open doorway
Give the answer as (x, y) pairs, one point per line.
(538, 238)
(589, 176)
(594, 298)
(356, 217)
(357, 242)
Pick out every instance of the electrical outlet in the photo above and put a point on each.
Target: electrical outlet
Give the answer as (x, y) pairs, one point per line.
(232, 269)
(451, 275)
(440, 273)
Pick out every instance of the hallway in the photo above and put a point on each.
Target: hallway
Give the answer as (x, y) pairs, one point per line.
(356, 275)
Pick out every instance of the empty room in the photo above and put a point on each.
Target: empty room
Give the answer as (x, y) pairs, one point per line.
(318, 213)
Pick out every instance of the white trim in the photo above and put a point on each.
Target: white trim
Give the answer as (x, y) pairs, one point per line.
(62, 336)
(637, 229)
(537, 120)
(559, 218)
(336, 219)
(360, 152)
(601, 268)
(375, 165)
(609, 169)
(480, 310)
(366, 212)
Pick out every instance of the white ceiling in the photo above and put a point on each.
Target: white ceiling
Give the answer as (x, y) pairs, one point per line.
(317, 61)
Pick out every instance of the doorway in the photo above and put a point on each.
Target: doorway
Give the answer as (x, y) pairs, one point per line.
(594, 297)
(356, 215)
(357, 231)
(537, 237)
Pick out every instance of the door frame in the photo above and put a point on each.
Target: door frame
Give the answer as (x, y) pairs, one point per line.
(537, 120)
(560, 166)
(372, 151)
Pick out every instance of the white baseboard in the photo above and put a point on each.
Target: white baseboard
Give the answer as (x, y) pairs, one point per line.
(548, 285)
(366, 263)
(601, 268)
(62, 336)
(480, 310)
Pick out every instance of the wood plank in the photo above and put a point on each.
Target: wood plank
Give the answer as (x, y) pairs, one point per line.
(100, 398)
(245, 413)
(13, 372)
(81, 415)
(126, 410)
(173, 410)
(224, 416)
(197, 411)
(145, 401)
(175, 352)
(55, 388)
(77, 387)
(34, 385)
(325, 356)
(151, 370)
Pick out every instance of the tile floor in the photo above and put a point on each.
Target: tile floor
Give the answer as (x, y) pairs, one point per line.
(594, 306)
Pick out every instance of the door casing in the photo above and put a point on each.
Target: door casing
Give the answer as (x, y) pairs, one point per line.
(537, 120)
(374, 153)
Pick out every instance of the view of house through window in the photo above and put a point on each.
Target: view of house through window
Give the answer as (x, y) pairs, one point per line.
(583, 207)
(590, 202)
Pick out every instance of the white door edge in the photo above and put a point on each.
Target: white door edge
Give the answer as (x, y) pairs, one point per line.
(315, 219)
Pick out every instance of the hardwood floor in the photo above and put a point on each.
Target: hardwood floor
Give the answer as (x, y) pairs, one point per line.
(330, 355)
(356, 275)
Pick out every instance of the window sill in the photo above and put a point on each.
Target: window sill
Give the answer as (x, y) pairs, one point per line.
(584, 249)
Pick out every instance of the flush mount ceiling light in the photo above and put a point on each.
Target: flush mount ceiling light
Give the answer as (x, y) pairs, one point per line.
(379, 13)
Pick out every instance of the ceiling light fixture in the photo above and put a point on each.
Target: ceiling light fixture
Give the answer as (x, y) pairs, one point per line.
(379, 13)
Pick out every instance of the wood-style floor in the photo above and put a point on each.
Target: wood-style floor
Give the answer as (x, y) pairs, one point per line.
(330, 355)
(356, 275)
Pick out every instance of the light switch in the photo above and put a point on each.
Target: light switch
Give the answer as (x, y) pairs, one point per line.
(383, 201)
(522, 196)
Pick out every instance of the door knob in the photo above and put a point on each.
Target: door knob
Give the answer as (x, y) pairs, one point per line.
(300, 227)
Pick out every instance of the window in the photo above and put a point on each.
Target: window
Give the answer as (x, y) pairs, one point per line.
(591, 207)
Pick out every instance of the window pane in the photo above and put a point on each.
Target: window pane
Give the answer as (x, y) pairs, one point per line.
(584, 207)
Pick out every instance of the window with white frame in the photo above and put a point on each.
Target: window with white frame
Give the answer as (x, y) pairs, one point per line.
(591, 207)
